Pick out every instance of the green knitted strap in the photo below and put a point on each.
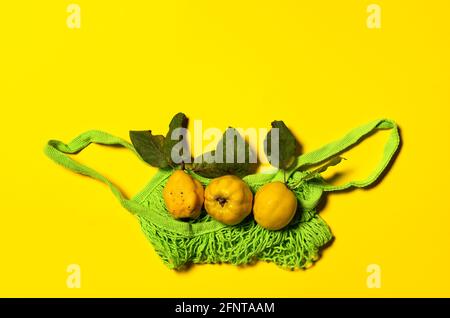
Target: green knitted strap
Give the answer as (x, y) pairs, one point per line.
(179, 243)
(351, 139)
(57, 150)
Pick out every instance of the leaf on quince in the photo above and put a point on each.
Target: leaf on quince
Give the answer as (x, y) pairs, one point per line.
(178, 121)
(156, 150)
(285, 142)
(150, 147)
(233, 155)
(316, 172)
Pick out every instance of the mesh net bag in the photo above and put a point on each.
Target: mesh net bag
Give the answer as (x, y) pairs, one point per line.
(206, 240)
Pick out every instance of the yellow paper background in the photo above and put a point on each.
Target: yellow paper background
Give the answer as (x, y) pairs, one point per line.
(133, 64)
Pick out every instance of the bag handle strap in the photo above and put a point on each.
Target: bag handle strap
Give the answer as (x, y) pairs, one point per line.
(57, 151)
(351, 139)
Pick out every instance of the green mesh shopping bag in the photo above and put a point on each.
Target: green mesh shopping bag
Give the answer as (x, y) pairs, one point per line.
(206, 240)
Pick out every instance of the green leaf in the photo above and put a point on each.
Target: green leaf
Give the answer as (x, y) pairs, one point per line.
(231, 156)
(150, 147)
(287, 146)
(205, 168)
(178, 121)
(332, 162)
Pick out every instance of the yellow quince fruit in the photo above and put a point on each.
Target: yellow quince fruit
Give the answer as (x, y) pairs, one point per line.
(183, 195)
(275, 206)
(228, 199)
